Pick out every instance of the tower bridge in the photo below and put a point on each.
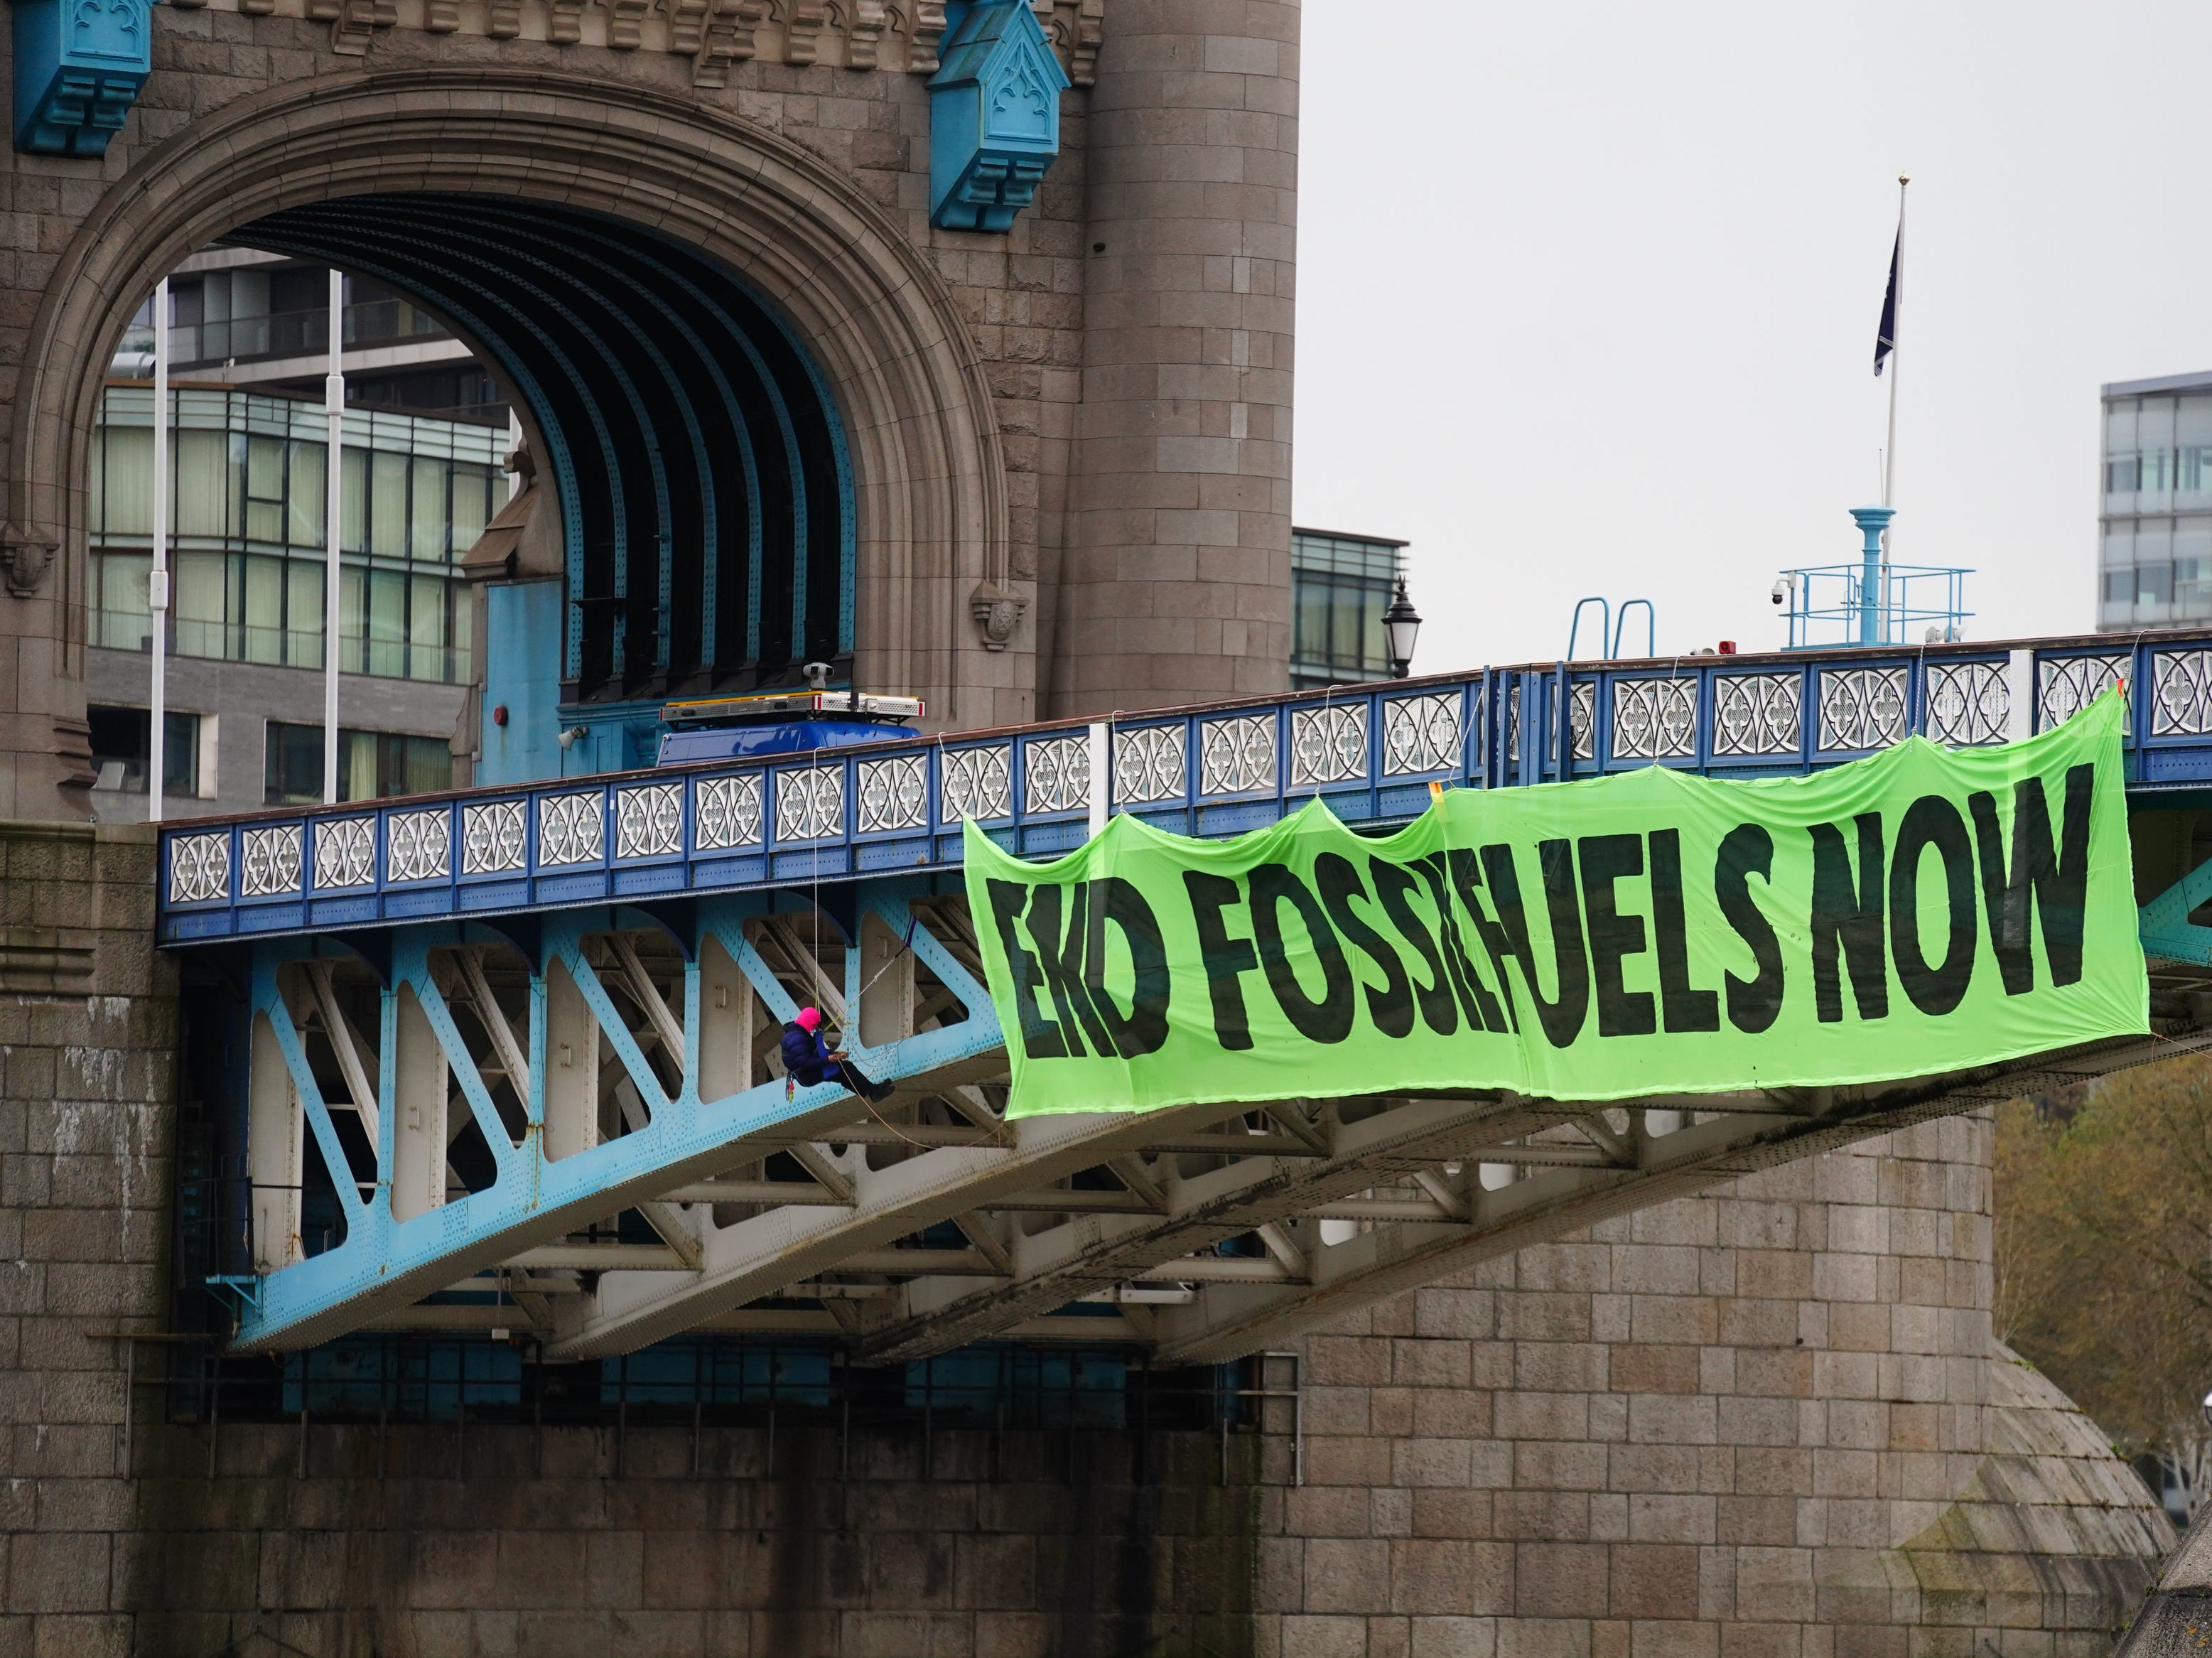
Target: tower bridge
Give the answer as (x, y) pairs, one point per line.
(949, 345)
(508, 1054)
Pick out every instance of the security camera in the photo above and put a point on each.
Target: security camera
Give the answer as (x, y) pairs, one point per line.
(817, 676)
(1781, 594)
(568, 737)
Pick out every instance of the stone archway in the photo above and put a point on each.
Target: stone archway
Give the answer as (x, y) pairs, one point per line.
(929, 474)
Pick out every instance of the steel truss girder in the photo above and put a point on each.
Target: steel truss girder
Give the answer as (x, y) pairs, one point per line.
(392, 1256)
(1423, 1187)
(1226, 1321)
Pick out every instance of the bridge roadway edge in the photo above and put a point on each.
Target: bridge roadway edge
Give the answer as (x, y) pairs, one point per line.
(1768, 1420)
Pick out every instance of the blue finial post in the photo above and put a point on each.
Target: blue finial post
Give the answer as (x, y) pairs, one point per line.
(1872, 521)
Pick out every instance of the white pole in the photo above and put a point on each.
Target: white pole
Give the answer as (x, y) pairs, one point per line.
(1889, 454)
(157, 579)
(333, 512)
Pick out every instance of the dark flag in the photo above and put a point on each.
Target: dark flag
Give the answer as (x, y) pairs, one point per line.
(1885, 339)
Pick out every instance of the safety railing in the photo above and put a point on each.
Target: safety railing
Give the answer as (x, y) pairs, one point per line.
(1375, 753)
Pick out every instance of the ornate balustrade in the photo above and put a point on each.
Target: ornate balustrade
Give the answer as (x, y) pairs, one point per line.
(1371, 752)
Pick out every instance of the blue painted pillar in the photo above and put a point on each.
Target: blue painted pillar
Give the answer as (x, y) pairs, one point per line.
(1872, 521)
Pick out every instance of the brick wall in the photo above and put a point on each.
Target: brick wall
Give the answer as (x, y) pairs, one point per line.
(1769, 1424)
(88, 1030)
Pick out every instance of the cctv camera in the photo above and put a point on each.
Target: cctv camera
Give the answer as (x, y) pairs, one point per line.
(567, 739)
(817, 676)
(1781, 594)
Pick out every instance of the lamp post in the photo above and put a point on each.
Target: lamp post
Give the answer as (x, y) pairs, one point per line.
(1401, 626)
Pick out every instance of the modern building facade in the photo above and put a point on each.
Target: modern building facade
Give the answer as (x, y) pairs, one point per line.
(1340, 585)
(424, 441)
(2155, 515)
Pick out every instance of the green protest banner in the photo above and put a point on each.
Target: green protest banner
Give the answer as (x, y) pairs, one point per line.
(1920, 911)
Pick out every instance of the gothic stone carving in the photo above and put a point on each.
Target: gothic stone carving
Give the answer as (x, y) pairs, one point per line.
(998, 612)
(28, 555)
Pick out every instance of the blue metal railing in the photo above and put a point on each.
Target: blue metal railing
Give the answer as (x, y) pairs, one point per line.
(1828, 607)
(1371, 751)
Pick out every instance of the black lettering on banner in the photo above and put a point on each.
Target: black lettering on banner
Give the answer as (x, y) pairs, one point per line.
(1330, 1019)
(1392, 1007)
(1224, 957)
(2057, 883)
(1393, 883)
(1562, 1017)
(1041, 1038)
(1474, 997)
(1682, 1005)
(1061, 955)
(1145, 1029)
(1852, 917)
(1464, 880)
(1467, 881)
(1932, 821)
(1613, 936)
(1748, 850)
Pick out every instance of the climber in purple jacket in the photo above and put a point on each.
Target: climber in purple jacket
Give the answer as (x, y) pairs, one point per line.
(807, 1061)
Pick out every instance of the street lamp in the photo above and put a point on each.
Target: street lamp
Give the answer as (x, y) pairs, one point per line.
(1402, 625)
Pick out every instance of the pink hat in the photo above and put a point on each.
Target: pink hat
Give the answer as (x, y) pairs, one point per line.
(809, 1018)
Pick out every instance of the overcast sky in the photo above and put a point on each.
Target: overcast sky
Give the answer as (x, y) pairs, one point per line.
(1587, 294)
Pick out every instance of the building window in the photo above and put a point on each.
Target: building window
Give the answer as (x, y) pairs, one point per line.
(247, 507)
(119, 750)
(1340, 587)
(372, 765)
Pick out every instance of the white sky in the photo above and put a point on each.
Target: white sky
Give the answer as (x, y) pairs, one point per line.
(1587, 294)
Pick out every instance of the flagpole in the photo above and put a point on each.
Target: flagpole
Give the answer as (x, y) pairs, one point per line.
(333, 524)
(1889, 451)
(157, 579)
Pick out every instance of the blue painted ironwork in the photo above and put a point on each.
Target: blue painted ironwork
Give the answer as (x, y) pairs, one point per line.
(389, 1259)
(1604, 625)
(993, 116)
(1651, 626)
(1872, 521)
(865, 842)
(1371, 752)
(79, 65)
(1875, 602)
(2168, 934)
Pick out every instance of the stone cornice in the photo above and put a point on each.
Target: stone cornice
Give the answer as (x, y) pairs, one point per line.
(900, 35)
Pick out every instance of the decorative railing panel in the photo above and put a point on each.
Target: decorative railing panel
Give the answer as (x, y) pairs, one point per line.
(1969, 703)
(1056, 772)
(894, 793)
(1862, 708)
(649, 821)
(1421, 734)
(345, 852)
(976, 783)
(1236, 756)
(810, 804)
(1654, 719)
(1757, 714)
(1148, 765)
(728, 812)
(2066, 685)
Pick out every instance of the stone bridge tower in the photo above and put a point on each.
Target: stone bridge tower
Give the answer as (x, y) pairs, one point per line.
(1052, 478)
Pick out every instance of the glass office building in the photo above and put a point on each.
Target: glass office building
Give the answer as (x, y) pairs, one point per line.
(425, 434)
(2155, 564)
(1340, 584)
(247, 505)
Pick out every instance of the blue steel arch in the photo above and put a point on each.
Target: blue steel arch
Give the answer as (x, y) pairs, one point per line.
(703, 470)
